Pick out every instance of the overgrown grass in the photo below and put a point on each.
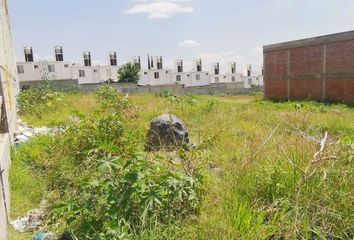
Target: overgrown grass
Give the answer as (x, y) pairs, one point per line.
(262, 152)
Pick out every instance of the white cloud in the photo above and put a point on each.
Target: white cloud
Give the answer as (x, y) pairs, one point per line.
(160, 9)
(189, 44)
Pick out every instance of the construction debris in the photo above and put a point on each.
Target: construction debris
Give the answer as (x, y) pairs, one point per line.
(33, 219)
(25, 132)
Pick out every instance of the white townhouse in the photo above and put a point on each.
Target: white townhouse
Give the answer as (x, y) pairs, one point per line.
(155, 74)
(87, 73)
(251, 79)
(195, 77)
(31, 70)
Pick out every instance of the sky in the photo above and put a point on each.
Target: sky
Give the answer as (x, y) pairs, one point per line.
(213, 30)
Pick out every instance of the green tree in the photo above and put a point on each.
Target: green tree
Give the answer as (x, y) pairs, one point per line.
(128, 73)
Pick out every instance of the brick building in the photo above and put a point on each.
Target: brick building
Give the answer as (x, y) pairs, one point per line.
(320, 68)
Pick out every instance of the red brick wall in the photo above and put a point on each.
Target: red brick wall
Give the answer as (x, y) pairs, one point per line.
(340, 57)
(276, 89)
(276, 63)
(320, 72)
(306, 88)
(340, 89)
(306, 60)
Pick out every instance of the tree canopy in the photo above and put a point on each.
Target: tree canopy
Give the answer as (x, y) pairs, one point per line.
(128, 73)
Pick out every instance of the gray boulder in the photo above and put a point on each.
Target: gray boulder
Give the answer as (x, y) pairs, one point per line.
(167, 131)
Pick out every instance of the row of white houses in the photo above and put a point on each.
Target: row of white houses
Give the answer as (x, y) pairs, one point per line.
(154, 75)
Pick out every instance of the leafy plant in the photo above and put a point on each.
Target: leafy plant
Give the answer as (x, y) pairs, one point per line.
(39, 100)
(164, 93)
(101, 152)
(102, 184)
(192, 99)
(128, 73)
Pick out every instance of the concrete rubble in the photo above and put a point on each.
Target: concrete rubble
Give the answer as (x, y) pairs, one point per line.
(25, 132)
(33, 219)
(166, 131)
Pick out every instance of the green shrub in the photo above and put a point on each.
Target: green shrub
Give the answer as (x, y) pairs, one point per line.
(165, 93)
(128, 73)
(39, 100)
(103, 185)
(192, 99)
(127, 197)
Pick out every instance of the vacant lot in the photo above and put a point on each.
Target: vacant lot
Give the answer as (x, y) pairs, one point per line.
(267, 170)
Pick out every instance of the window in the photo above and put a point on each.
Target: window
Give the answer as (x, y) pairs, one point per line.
(216, 79)
(199, 68)
(178, 78)
(145, 73)
(157, 75)
(233, 79)
(224, 76)
(113, 62)
(66, 65)
(197, 77)
(233, 70)
(36, 66)
(206, 74)
(166, 72)
(51, 68)
(216, 71)
(249, 81)
(81, 73)
(179, 69)
(20, 69)
(94, 70)
(159, 65)
(188, 75)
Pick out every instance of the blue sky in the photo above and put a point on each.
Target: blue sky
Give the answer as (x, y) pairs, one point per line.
(214, 30)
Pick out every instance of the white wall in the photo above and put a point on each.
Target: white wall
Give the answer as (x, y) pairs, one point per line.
(29, 72)
(204, 79)
(190, 79)
(148, 77)
(185, 78)
(109, 72)
(92, 74)
(229, 78)
(35, 71)
(215, 78)
(253, 80)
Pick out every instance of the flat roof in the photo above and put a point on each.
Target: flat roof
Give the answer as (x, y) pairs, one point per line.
(337, 37)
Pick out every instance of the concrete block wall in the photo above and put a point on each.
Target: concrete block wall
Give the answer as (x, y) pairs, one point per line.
(320, 68)
(66, 84)
(8, 70)
(5, 162)
(9, 88)
(217, 88)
